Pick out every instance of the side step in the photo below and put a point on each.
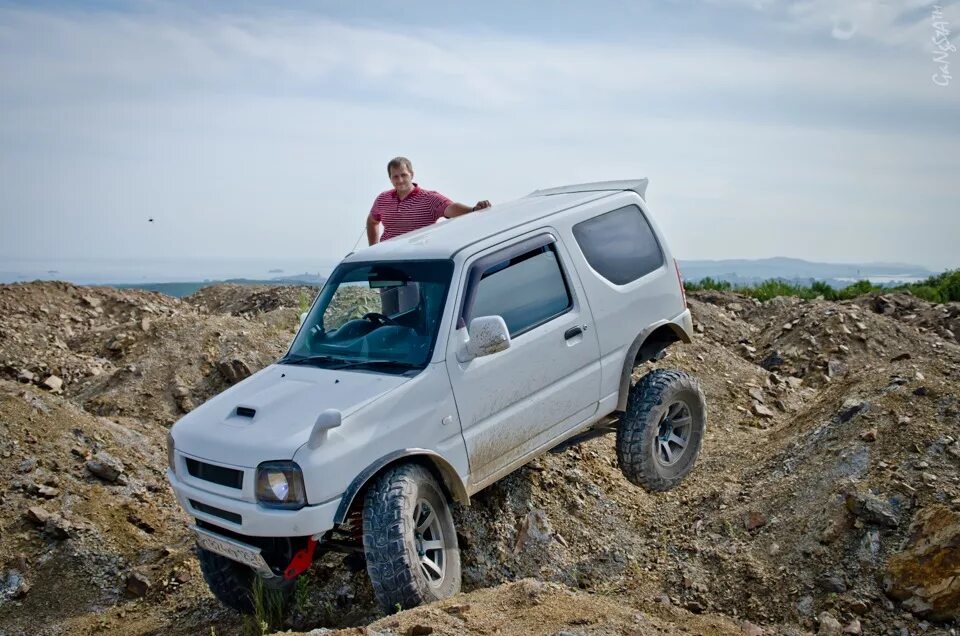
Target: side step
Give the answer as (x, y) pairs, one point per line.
(604, 427)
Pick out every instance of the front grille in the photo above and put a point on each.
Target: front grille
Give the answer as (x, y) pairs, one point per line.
(229, 477)
(216, 512)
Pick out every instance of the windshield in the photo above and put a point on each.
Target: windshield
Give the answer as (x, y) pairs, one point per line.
(377, 316)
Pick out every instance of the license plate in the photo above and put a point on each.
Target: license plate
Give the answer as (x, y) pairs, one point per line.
(233, 550)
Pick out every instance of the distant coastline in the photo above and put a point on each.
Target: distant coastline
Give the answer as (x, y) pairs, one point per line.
(183, 277)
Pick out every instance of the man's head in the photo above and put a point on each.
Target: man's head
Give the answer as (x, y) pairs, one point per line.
(400, 171)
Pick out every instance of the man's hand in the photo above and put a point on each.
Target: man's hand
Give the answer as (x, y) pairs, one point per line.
(481, 205)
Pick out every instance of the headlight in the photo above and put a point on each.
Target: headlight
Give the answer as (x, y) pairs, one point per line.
(280, 485)
(171, 458)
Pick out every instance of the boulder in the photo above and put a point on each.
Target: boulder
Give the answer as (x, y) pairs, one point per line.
(872, 510)
(105, 466)
(925, 575)
(53, 383)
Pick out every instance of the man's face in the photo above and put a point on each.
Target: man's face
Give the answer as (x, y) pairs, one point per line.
(401, 178)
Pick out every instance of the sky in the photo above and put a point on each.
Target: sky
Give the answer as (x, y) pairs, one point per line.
(815, 129)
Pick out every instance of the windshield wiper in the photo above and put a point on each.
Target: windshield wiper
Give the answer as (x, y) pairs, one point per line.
(395, 364)
(310, 359)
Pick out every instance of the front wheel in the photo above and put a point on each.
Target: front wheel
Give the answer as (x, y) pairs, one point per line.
(409, 539)
(660, 434)
(240, 588)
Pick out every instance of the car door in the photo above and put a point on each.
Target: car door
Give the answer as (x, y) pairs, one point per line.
(514, 401)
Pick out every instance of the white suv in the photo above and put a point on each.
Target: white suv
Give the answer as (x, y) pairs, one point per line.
(429, 367)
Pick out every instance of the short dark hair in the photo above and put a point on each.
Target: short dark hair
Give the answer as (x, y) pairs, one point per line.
(399, 162)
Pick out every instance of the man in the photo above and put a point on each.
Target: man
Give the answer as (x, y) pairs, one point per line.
(409, 207)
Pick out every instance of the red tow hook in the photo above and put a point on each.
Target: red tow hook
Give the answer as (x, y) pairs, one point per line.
(300, 561)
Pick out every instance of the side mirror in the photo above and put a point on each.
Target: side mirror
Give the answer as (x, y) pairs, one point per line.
(486, 335)
(329, 419)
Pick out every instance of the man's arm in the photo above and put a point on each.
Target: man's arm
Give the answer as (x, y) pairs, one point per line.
(459, 209)
(373, 230)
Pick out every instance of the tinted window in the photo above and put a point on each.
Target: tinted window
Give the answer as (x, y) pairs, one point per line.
(619, 245)
(526, 291)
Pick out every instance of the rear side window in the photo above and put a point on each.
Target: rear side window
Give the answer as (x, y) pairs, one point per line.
(619, 245)
(526, 291)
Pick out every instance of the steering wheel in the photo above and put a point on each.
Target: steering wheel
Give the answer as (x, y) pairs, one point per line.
(379, 318)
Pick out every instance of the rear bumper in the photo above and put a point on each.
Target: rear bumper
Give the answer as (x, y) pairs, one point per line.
(250, 518)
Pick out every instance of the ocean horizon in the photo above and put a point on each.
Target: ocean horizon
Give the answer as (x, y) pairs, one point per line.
(98, 271)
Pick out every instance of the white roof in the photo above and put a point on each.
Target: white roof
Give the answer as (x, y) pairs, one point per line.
(446, 238)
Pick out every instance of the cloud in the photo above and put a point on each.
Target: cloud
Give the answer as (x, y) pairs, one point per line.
(268, 132)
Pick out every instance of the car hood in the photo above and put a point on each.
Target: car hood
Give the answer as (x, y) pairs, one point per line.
(270, 414)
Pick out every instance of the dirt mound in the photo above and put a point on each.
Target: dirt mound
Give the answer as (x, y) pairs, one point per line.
(530, 606)
(249, 300)
(87, 519)
(944, 320)
(832, 426)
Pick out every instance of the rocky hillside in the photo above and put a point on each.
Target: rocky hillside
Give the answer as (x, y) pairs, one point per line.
(826, 500)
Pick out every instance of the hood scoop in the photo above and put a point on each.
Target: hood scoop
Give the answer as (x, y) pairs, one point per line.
(245, 411)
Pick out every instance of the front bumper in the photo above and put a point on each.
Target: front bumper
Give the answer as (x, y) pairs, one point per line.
(250, 518)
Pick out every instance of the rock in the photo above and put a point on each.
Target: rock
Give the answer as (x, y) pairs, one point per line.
(27, 466)
(534, 526)
(853, 627)
(805, 606)
(850, 408)
(921, 391)
(859, 607)
(48, 492)
(233, 370)
(872, 510)
(773, 361)
(749, 629)
(900, 356)
(13, 586)
(137, 585)
(756, 394)
(748, 349)
(829, 625)
(869, 435)
(763, 411)
(419, 630)
(928, 478)
(458, 609)
(925, 575)
(754, 520)
(53, 383)
(58, 527)
(26, 377)
(903, 420)
(836, 368)
(37, 515)
(105, 466)
(832, 583)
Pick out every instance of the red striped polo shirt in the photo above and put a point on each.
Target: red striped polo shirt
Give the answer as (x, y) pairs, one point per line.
(419, 209)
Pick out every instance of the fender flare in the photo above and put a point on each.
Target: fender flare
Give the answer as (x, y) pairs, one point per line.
(448, 474)
(676, 334)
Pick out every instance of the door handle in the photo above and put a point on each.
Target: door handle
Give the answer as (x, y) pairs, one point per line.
(572, 332)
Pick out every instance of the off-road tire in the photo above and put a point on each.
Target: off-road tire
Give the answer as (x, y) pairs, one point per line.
(390, 539)
(232, 583)
(639, 434)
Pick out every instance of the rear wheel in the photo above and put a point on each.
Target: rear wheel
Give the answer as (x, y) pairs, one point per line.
(660, 434)
(409, 539)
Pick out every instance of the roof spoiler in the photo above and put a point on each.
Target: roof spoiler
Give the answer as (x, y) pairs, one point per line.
(637, 185)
